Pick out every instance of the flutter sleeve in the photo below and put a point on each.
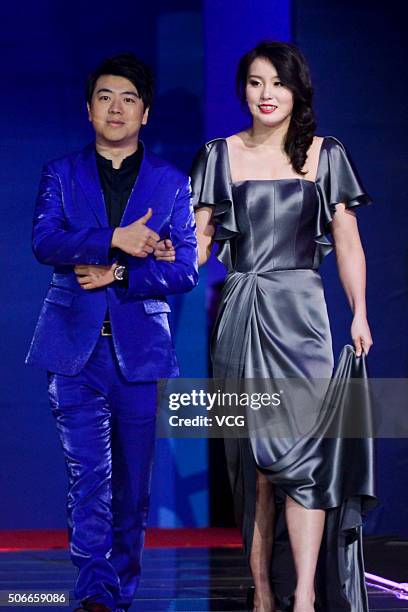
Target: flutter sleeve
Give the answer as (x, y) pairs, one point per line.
(337, 181)
(211, 186)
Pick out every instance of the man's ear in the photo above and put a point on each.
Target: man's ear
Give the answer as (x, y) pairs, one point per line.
(88, 106)
(145, 116)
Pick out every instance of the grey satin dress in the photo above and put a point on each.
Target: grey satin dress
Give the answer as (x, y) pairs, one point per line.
(272, 323)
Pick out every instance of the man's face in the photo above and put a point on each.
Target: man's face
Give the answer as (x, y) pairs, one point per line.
(116, 111)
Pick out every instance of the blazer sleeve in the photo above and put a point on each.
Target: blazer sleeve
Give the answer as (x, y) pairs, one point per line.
(53, 242)
(151, 278)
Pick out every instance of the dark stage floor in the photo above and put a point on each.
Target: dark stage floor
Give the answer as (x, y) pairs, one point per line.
(188, 579)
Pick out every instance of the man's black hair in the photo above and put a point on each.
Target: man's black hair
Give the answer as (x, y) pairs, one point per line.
(126, 65)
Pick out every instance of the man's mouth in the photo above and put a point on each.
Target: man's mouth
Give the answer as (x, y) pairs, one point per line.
(267, 108)
(116, 123)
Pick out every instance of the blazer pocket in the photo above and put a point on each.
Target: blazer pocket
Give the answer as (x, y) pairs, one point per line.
(62, 297)
(155, 306)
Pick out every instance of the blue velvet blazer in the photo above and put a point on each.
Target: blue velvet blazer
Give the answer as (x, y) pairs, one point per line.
(71, 227)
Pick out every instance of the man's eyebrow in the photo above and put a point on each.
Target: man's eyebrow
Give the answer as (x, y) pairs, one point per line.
(122, 93)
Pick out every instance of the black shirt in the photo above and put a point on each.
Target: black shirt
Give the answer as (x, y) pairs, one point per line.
(117, 184)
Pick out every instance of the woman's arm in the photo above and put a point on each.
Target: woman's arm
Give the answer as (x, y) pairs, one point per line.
(205, 229)
(205, 233)
(352, 271)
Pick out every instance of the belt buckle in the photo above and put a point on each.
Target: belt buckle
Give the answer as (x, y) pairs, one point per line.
(106, 329)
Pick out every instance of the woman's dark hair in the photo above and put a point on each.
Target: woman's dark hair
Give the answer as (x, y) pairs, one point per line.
(128, 66)
(294, 74)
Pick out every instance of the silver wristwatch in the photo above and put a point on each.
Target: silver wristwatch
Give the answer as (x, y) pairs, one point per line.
(119, 273)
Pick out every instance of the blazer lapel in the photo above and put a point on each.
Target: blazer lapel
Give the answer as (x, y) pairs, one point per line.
(150, 175)
(88, 178)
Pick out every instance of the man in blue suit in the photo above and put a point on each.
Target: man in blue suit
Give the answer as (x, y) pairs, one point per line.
(103, 333)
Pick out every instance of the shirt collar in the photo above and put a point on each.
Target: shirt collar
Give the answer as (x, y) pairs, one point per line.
(129, 162)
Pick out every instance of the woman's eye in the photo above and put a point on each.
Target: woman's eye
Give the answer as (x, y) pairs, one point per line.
(278, 84)
(254, 83)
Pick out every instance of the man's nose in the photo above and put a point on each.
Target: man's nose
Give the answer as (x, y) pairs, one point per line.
(115, 106)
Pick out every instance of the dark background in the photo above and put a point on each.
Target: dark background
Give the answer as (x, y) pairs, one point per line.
(357, 52)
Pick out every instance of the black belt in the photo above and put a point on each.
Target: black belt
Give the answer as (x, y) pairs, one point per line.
(106, 329)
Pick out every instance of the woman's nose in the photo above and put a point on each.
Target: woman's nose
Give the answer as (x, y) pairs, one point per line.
(266, 93)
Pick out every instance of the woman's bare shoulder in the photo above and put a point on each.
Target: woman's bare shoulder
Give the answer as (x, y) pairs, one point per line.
(317, 142)
(237, 140)
(313, 156)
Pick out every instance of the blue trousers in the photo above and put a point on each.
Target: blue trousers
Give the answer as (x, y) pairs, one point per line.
(107, 427)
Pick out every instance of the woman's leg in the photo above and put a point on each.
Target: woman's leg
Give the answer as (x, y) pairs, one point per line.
(261, 549)
(305, 529)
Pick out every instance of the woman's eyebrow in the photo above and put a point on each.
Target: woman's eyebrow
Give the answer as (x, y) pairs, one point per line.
(256, 76)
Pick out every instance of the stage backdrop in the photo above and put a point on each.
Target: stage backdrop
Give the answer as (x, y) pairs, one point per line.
(357, 52)
(357, 57)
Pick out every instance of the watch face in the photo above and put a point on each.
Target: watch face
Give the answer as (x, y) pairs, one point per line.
(119, 272)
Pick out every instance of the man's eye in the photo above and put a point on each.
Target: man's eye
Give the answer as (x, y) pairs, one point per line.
(131, 100)
(104, 98)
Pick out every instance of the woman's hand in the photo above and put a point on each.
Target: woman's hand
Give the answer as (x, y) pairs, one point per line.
(361, 335)
(165, 251)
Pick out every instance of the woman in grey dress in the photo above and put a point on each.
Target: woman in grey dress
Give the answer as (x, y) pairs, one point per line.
(269, 196)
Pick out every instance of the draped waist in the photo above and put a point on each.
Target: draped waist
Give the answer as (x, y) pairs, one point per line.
(297, 278)
(274, 305)
(272, 271)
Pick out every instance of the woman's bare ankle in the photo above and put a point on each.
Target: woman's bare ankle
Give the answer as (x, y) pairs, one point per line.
(304, 601)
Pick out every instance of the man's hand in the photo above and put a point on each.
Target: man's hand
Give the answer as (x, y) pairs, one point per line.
(94, 277)
(165, 251)
(136, 239)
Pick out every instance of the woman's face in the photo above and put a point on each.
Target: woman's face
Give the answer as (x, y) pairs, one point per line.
(269, 102)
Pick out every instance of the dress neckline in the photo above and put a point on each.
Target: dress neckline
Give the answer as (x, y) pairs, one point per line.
(293, 178)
